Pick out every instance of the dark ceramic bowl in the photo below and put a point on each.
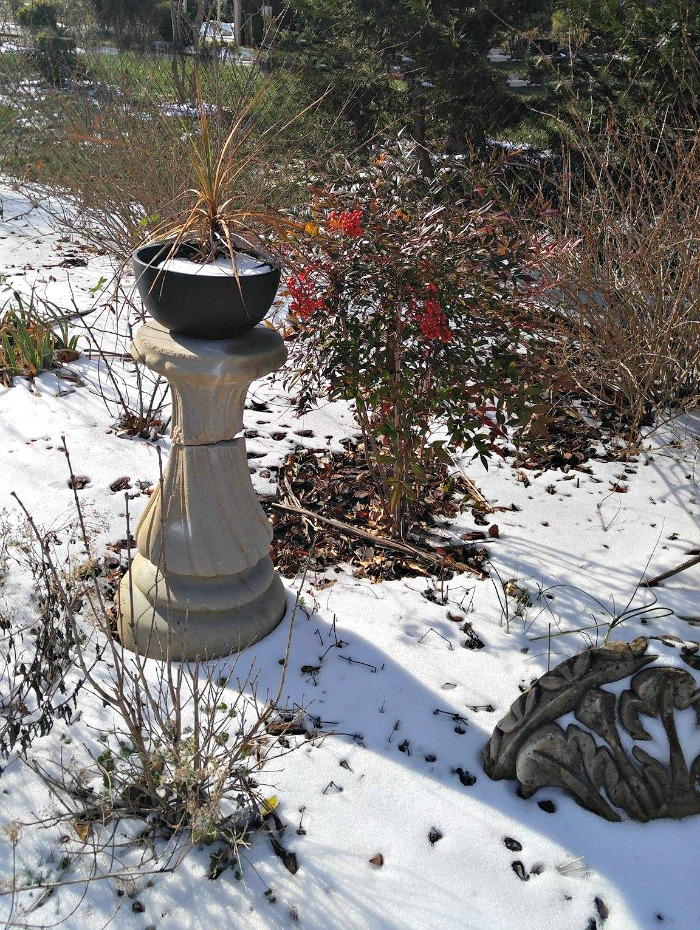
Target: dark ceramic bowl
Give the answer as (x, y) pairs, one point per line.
(201, 306)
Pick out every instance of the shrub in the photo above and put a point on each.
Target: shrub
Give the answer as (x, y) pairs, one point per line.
(134, 117)
(38, 14)
(186, 743)
(627, 295)
(36, 653)
(55, 55)
(413, 304)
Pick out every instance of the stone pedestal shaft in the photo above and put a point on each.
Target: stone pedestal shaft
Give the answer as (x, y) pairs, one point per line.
(202, 583)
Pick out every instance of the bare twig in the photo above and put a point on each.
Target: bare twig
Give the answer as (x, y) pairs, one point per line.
(382, 541)
(652, 582)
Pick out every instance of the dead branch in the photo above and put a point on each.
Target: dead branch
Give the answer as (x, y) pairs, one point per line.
(652, 582)
(383, 542)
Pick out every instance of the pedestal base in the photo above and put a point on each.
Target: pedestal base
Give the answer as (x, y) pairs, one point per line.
(202, 584)
(216, 619)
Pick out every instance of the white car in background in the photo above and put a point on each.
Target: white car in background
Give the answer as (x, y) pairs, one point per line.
(216, 32)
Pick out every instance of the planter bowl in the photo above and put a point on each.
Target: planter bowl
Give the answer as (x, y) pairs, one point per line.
(201, 306)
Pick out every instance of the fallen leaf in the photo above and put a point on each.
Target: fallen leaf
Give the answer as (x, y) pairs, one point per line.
(310, 669)
(472, 641)
(120, 484)
(466, 778)
(78, 482)
(327, 584)
(66, 355)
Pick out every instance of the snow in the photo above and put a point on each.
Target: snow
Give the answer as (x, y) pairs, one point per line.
(568, 537)
(245, 265)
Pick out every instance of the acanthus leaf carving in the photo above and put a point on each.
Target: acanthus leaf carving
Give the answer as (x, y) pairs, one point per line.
(596, 762)
(538, 706)
(555, 758)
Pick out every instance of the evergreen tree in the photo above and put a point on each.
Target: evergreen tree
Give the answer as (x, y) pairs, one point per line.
(635, 56)
(129, 20)
(416, 63)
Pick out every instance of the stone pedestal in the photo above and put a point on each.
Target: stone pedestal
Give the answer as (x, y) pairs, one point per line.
(202, 584)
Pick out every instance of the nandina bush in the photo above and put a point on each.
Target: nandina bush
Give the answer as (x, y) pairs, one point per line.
(413, 303)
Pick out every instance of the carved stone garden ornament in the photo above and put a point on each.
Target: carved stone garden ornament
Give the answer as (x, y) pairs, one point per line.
(629, 749)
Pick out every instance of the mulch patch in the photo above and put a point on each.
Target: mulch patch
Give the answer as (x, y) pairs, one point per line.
(574, 436)
(339, 486)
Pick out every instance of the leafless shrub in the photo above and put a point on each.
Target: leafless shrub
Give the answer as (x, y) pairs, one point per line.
(36, 651)
(180, 765)
(5, 537)
(106, 154)
(626, 285)
(137, 399)
(182, 756)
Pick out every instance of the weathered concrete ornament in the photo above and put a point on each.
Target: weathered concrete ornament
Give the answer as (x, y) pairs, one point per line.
(569, 731)
(202, 584)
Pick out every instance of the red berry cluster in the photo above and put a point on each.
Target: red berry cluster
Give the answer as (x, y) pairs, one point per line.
(431, 318)
(305, 300)
(348, 221)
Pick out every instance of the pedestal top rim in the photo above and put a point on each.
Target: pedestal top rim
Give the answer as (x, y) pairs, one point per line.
(255, 353)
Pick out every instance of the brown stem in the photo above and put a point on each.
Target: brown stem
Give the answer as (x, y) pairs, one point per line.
(383, 542)
(377, 472)
(652, 582)
(401, 463)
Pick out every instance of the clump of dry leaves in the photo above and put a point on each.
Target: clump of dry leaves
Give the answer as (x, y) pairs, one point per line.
(339, 487)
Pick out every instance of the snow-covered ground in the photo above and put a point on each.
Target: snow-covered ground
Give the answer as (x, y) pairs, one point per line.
(389, 781)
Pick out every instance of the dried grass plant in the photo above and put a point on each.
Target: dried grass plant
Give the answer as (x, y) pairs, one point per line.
(216, 213)
(626, 290)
